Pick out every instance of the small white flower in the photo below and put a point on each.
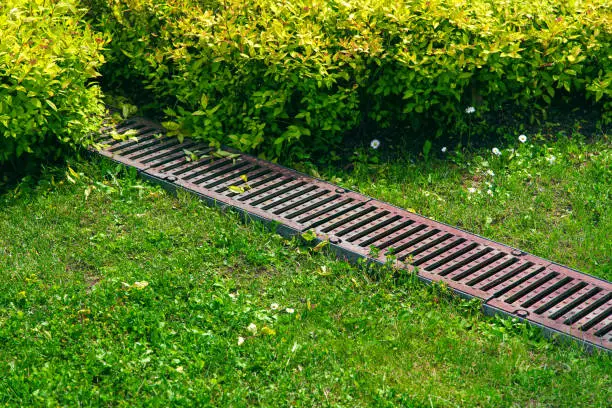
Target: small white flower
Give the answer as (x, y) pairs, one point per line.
(289, 310)
(522, 138)
(444, 149)
(240, 340)
(490, 173)
(274, 306)
(180, 369)
(496, 151)
(252, 328)
(551, 159)
(375, 143)
(140, 285)
(490, 192)
(470, 110)
(471, 190)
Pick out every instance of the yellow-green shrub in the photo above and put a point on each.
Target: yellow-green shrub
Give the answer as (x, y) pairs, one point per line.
(47, 58)
(298, 75)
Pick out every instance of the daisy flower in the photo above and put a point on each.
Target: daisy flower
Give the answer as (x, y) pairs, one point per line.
(444, 149)
(470, 110)
(522, 138)
(252, 328)
(274, 306)
(289, 310)
(375, 144)
(496, 151)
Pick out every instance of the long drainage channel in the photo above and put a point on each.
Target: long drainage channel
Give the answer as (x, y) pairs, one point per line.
(509, 281)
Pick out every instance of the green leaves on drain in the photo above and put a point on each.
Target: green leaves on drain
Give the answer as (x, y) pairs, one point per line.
(236, 189)
(241, 189)
(245, 179)
(128, 135)
(309, 235)
(190, 156)
(222, 154)
(193, 156)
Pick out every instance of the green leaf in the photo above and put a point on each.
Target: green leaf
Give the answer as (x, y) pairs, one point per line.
(222, 153)
(309, 235)
(51, 104)
(191, 156)
(236, 189)
(427, 149)
(73, 173)
(319, 247)
(171, 125)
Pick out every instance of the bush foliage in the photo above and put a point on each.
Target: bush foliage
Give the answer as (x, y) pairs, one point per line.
(301, 73)
(47, 60)
(298, 75)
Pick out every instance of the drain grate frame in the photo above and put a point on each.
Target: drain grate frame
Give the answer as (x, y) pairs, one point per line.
(510, 282)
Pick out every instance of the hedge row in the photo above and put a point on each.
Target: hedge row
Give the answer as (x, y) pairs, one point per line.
(298, 75)
(294, 76)
(47, 58)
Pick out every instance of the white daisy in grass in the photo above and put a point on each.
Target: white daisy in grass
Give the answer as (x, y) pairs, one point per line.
(522, 138)
(496, 151)
(240, 340)
(289, 310)
(490, 173)
(375, 144)
(470, 109)
(490, 192)
(252, 328)
(551, 159)
(444, 149)
(471, 190)
(274, 306)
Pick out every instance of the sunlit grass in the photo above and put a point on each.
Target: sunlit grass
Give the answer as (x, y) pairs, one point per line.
(112, 292)
(548, 197)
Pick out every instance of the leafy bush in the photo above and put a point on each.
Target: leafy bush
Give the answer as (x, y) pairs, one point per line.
(298, 75)
(47, 60)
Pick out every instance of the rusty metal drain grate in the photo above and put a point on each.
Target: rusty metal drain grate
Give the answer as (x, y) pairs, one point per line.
(508, 281)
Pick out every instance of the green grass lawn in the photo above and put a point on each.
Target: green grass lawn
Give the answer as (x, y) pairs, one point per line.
(548, 196)
(114, 293)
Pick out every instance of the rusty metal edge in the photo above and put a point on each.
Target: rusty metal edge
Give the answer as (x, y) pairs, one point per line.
(353, 257)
